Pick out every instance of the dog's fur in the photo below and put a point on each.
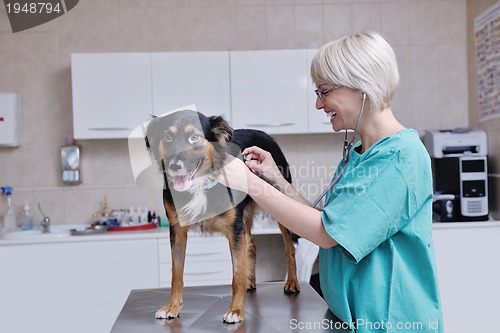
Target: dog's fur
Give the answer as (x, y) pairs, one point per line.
(189, 147)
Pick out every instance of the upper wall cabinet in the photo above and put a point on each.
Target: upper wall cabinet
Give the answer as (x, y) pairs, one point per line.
(111, 93)
(184, 78)
(318, 121)
(269, 90)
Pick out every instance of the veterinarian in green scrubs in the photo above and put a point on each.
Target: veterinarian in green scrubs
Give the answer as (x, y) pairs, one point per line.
(377, 266)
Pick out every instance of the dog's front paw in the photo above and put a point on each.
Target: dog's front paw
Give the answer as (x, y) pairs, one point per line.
(234, 316)
(291, 287)
(168, 311)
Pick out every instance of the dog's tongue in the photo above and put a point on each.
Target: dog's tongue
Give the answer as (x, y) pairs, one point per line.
(182, 183)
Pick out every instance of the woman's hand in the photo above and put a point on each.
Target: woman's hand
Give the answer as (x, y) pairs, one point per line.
(235, 174)
(261, 163)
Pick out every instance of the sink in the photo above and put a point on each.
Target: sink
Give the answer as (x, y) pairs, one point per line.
(62, 230)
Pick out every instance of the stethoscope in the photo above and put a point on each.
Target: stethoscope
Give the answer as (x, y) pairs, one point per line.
(346, 155)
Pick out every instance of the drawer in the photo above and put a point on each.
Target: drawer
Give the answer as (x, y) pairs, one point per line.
(208, 261)
(201, 273)
(199, 249)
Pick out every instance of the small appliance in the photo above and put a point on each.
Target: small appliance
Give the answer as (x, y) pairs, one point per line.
(460, 168)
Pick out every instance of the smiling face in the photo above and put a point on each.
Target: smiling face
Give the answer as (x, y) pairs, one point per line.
(340, 105)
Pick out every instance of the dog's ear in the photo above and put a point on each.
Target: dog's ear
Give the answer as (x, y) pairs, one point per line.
(220, 128)
(152, 138)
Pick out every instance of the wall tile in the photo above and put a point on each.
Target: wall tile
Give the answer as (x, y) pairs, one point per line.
(327, 2)
(194, 20)
(424, 23)
(337, 21)
(4, 21)
(163, 34)
(452, 61)
(452, 15)
(79, 205)
(132, 27)
(221, 28)
(395, 23)
(13, 43)
(424, 66)
(52, 203)
(425, 109)
(280, 27)
(402, 107)
(366, 16)
(308, 26)
(453, 108)
(250, 27)
(102, 26)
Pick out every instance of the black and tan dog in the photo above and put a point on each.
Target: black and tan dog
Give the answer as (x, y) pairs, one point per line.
(189, 147)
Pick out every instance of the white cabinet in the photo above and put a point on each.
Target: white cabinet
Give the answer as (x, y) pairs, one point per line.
(80, 286)
(111, 93)
(318, 121)
(184, 78)
(269, 90)
(469, 275)
(72, 287)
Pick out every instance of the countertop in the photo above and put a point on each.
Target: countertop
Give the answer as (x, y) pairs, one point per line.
(267, 309)
(163, 232)
(157, 233)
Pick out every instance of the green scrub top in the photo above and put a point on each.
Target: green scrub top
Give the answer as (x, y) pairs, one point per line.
(382, 276)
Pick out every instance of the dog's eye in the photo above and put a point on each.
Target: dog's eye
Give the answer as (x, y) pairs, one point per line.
(167, 138)
(194, 138)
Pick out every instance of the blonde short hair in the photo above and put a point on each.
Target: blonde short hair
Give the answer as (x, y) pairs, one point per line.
(363, 61)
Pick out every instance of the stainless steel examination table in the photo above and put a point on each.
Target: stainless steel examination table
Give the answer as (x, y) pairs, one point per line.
(267, 309)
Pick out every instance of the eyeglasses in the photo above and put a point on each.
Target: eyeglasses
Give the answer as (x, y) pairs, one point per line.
(322, 93)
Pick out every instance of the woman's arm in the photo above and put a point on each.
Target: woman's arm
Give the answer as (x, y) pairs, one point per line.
(298, 217)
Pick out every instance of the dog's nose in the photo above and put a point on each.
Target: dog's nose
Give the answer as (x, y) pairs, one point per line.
(175, 166)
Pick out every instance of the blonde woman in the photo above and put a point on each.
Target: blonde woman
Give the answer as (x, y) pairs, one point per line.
(377, 266)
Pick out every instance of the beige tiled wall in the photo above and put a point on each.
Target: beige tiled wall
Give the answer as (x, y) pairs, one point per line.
(429, 38)
(492, 126)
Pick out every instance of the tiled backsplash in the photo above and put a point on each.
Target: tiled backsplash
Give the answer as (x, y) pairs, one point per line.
(429, 38)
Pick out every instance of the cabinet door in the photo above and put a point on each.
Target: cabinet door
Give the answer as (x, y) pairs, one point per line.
(269, 90)
(185, 78)
(318, 121)
(468, 274)
(77, 287)
(111, 93)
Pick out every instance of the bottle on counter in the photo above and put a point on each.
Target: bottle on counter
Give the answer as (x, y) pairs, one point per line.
(143, 216)
(9, 219)
(134, 216)
(25, 219)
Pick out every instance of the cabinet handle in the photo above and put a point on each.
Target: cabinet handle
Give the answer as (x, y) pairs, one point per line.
(110, 129)
(271, 125)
